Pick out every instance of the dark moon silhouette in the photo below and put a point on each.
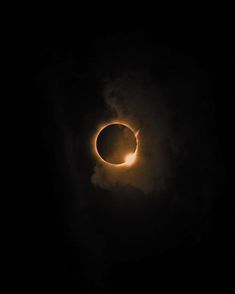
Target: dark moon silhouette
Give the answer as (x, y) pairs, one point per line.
(115, 142)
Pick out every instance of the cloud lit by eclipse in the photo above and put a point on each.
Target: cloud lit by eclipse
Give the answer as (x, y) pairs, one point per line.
(144, 161)
(116, 144)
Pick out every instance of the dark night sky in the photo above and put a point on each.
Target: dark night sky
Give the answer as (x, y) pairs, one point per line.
(96, 240)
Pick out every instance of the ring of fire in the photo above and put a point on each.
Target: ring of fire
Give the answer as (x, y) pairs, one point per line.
(123, 144)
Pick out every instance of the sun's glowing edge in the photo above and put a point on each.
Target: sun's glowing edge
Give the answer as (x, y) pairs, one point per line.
(130, 159)
(127, 162)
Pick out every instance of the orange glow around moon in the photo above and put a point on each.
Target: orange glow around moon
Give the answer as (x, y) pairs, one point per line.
(130, 158)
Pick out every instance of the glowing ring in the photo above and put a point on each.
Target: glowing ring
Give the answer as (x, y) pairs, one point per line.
(131, 157)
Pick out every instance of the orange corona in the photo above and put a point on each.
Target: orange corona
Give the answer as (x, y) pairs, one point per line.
(130, 158)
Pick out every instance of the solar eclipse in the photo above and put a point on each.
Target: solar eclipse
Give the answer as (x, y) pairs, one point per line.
(116, 144)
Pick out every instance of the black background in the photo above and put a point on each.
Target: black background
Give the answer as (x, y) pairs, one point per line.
(84, 238)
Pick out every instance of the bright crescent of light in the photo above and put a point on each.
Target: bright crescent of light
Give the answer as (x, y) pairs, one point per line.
(130, 158)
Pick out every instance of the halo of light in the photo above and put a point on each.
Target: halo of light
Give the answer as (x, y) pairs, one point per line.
(130, 158)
